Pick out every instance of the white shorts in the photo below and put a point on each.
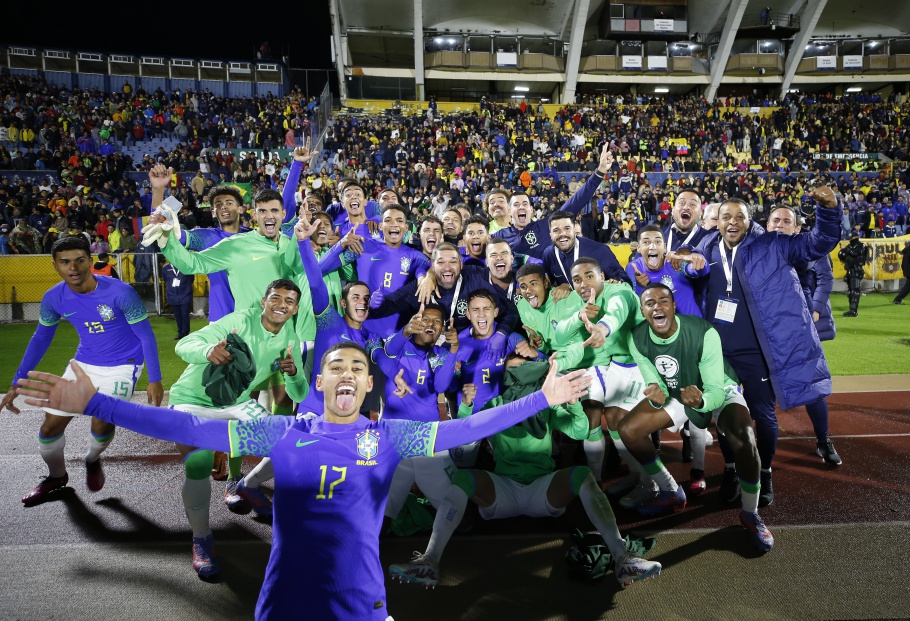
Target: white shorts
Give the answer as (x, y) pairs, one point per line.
(618, 385)
(513, 499)
(433, 476)
(119, 381)
(676, 410)
(248, 410)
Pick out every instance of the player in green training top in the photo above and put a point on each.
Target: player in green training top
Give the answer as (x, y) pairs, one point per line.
(275, 348)
(540, 311)
(681, 359)
(253, 260)
(603, 325)
(525, 480)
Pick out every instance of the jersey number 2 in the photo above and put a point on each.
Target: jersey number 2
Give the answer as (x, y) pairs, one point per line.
(342, 470)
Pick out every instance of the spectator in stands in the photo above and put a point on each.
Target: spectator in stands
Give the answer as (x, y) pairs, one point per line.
(128, 241)
(25, 239)
(6, 248)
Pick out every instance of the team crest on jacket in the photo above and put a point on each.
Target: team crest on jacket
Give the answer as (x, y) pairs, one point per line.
(531, 238)
(106, 312)
(405, 264)
(462, 308)
(667, 281)
(367, 444)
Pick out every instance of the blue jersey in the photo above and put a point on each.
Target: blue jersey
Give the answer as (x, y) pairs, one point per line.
(103, 319)
(221, 302)
(478, 368)
(680, 283)
(427, 372)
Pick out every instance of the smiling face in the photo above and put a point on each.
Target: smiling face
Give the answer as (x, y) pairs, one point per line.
(587, 277)
(497, 205)
(481, 313)
(476, 237)
(278, 306)
(447, 267)
(356, 304)
(534, 289)
(269, 215)
(353, 200)
(388, 197)
(520, 210)
(344, 381)
(652, 248)
(499, 259)
(430, 235)
(434, 327)
(659, 309)
(312, 203)
(394, 225)
(709, 221)
(686, 211)
(732, 222)
(451, 223)
(226, 209)
(562, 233)
(323, 231)
(74, 267)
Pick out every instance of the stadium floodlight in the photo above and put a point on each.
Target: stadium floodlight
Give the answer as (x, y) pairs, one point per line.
(522, 89)
(854, 89)
(661, 89)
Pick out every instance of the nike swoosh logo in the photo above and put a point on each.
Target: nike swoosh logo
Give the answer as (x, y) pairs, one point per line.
(256, 258)
(715, 263)
(375, 258)
(345, 337)
(764, 379)
(68, 314)
(407, 353)
(299, 443)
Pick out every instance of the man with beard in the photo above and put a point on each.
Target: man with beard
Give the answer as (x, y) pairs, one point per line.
(498, 208)
(530, 237)
(227, 204)
(567, 248)
(685, 229)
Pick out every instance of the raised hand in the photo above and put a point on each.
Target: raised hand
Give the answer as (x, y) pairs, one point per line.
(534, 339)
(160, 177)
(566, 389)
(416, 324)
(824, 196)
(468, 392)
(402, 389)
(591, 310)
(286, 364)
(304, 229)
(641, 279)
(606, 159)
(427, 288)
(303, 154)
(376, 299)
(219, 354)
(353, 242)
(451, 335)
(692, 396)
(45, 390)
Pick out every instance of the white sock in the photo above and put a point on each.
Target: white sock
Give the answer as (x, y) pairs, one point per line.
(51, 452)
(448, 517)
(627, 457)
(595, 450)
(698, 439)
(97, 445)
(197, 496)
(601, 515)
(262, 472)
(660, 475)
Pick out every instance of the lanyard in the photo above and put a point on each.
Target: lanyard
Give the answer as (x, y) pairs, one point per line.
(684, 242)
(454, 297)
(557, 253)
(511, 286)
(728, 267)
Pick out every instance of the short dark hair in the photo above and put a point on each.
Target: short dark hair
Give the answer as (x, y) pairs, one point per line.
(230, 190)
(436, 307)
(691, 190)
(71, 243)
(396, 207)
(345, 290)
(103, 256)
(482, 293)
(393, 191)
(560, 215)
(339, 346)
(284, 283)
(649, 228)
(530, 269)
(519, 193)
(657, 285)
(429, 218)
(266, 195)
(586, 261)
(477, 220)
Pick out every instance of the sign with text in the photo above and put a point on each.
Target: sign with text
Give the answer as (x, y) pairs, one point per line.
(826, 62)
(663, 25)
(853, 61)
(845, 156)
(631, 62)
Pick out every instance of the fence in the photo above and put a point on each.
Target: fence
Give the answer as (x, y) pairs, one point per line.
(24, 279)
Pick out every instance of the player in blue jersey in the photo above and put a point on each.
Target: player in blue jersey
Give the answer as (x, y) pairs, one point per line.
(652, 267)
(311, 202)
(332, 475)
(424, 371)
(429, 233)
(227, 205)
(115, 338)
(533, 237)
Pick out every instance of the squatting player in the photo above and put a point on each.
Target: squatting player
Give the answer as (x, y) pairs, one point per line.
(115, 338)
(332, 474)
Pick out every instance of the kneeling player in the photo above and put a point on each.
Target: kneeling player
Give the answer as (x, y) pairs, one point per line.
(680, 358)
(524, 481)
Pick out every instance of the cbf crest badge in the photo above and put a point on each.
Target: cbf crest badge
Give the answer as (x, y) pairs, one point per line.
(106, 312)
(667, 281)
(462, 308)
(368, 444)
(531, 238)
(405, 264)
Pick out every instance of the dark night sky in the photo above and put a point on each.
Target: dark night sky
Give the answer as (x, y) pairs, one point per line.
(216, 32)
